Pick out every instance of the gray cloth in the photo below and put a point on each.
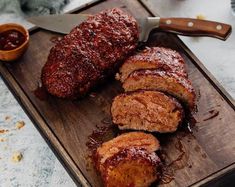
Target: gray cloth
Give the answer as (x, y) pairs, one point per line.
(23, 8)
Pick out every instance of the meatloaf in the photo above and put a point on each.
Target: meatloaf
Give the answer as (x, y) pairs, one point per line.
(129, 160)
(168, 82)
(151, 111)
(153, 58)
(89, 53)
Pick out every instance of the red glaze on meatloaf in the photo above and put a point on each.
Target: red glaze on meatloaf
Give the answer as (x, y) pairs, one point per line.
(153, 58)
(168, 82)
(89, 53)
(131, 167)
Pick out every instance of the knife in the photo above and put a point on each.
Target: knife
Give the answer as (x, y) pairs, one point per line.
(182, 26)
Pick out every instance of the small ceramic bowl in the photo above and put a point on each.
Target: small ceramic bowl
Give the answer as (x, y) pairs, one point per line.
(11, 55)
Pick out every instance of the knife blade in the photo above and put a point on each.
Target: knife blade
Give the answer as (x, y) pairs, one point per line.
(182, 26)
(62, 23)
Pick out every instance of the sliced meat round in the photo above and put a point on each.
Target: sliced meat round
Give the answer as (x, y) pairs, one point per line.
(131, 167)
(127, 140)
(129, 160)
(153, 58)
(168, 82)
(151, 111)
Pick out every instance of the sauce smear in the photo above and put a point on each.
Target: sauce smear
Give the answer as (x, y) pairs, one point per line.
(213, 113)
(11, 39)
(41, 93)
(98, 136)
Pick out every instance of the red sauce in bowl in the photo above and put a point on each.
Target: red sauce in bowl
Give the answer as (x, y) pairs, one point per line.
(11, 39)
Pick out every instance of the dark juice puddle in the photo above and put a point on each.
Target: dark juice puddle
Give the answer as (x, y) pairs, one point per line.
(101, 134)
(167, 174)
(179, 147)
(98, 136)
(41, 93)
(189, 124)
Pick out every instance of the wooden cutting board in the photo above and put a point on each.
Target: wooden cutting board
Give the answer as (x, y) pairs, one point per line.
(194, 158)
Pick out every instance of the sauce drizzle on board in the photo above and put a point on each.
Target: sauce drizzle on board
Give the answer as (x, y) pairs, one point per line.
(98, 136)
(213, 113)
(170, 164)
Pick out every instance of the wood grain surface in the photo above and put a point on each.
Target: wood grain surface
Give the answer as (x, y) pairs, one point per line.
(67, 124)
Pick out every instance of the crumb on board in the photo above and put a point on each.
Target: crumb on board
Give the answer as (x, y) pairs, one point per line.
(201, 16)
(7, 118)
(20, 124)
(17, 156)
(2, 139)
(2, 131)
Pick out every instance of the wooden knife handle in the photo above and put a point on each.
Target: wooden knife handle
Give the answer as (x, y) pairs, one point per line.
(195, 27)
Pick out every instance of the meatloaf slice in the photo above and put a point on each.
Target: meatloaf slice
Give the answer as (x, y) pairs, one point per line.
(127, 140)
(129, 160)
(153, 58)
(151, 111)
(131, 167)
(168, 82)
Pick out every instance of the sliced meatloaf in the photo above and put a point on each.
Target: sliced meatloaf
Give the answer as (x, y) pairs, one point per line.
(153, 58)
(131, 139)
(168, 82)
(129, 160)
(151, 111)
(131, 167)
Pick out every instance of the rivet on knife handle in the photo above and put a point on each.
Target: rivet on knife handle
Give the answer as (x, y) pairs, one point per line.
(195, 27)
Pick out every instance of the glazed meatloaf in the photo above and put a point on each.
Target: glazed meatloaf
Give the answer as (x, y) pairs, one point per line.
(129, 160)
(151, 111)
(168, 82)
(90, 52)
(153, 58)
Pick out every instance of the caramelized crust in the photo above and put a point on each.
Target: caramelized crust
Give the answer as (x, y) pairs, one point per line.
(131, 139)
(154, 58)
(131, 167)
(147, 110)
(168, 82)
(129, 160)
(91, 51)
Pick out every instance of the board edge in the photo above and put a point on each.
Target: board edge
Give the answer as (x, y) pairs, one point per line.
(214, 176)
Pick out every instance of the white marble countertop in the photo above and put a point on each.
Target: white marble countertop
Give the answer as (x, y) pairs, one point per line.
(39, 166)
